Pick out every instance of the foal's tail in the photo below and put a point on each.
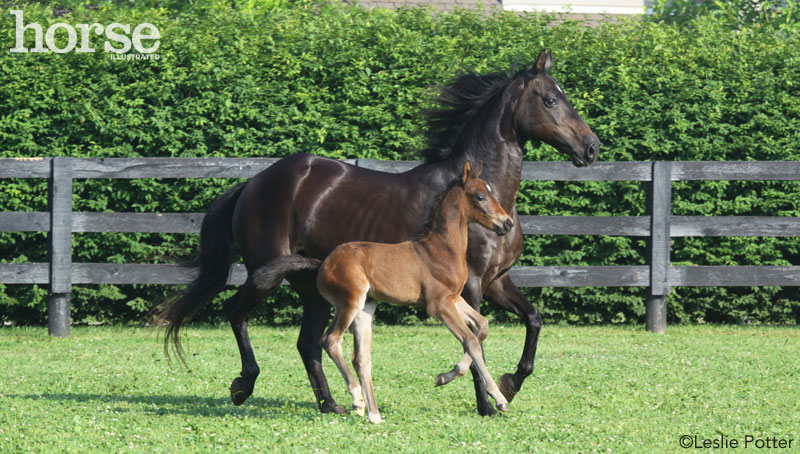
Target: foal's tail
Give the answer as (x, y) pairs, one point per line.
(270, 275)
(213, 264)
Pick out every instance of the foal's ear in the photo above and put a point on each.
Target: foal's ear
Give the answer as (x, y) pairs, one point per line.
(467, 172)
(544, 62)
(479, 171)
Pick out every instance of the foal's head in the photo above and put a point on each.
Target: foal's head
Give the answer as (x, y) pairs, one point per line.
(481, 206)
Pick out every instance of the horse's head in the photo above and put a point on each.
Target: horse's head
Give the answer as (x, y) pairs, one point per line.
(482, 206)
(544, 112)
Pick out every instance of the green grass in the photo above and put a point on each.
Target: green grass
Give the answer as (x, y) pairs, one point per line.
(595, 389)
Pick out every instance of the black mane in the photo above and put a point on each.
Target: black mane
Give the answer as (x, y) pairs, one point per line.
(460, 102)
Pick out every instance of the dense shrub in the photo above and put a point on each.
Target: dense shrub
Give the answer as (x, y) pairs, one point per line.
(344, 82)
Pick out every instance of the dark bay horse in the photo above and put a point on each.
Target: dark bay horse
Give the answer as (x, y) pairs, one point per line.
(307, 205)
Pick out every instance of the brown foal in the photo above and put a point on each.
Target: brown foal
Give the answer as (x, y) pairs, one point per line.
(429, 272)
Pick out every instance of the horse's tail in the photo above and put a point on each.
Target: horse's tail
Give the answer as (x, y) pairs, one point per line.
(213, 264)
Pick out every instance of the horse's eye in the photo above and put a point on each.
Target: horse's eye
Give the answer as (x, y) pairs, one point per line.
(480, 197)
(550, 102)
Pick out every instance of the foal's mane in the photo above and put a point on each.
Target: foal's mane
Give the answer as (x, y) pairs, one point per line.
(460, 102)
(437, 207)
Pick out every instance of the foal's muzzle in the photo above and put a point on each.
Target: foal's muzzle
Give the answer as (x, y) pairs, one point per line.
(504, 227)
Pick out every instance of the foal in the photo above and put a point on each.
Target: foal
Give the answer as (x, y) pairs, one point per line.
(429, 272)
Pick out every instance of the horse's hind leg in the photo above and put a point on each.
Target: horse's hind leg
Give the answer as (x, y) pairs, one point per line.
(316, 314)
(238, 308)
(362, 359)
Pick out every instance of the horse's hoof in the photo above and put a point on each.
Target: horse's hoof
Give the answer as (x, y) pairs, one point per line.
(359, 410)
(506, 385)
(440, 380)
(490, 411)
(374, 418)
(332, 407)
(502, 407)
(240, 391)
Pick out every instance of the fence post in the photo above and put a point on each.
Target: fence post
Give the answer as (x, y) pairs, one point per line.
(659, 199)
(60, 195)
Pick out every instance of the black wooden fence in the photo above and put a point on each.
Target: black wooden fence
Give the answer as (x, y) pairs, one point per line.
(658, 226)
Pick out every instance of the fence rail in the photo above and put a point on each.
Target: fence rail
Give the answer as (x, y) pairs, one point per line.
(658, 226)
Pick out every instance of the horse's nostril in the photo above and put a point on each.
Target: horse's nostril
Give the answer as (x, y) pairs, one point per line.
(591, 151)
(508, 225)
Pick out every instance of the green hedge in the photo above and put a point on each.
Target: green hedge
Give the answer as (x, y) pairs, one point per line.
(271, 79)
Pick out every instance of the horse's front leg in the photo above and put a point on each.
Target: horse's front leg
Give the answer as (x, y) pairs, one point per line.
(472, 295)
(507, 295)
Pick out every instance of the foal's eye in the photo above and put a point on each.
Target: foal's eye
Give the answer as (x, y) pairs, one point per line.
(550, 102)
(480, 197)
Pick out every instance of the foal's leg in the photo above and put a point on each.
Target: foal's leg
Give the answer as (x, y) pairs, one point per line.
(472, 294)
(449, 315)
(479, 327)
(347, 307)
(459, 370)
(362, 359)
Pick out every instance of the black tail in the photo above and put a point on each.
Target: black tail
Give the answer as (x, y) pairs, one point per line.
(213, 264)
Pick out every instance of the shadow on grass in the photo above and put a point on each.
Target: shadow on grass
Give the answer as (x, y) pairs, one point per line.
(188, 405)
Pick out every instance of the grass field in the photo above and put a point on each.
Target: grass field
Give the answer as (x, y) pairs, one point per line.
(595, 389)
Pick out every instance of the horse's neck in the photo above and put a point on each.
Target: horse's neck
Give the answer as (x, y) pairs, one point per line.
(497, 146)
(502, 170)
(491, 143)
(448, 232)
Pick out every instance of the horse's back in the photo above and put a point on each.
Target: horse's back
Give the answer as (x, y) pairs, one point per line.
(309, 205)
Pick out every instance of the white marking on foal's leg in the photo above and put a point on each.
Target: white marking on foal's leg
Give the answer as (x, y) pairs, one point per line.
(362, 359)
(374, 418)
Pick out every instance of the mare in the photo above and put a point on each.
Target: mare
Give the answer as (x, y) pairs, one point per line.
(307, 205)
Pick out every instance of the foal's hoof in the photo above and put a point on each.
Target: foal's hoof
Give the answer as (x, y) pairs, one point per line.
(332, 407)
(240, 391)
(488, 411)
(502, 407)
(506, 385)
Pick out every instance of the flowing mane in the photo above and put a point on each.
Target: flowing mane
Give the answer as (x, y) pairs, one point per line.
(460, 102)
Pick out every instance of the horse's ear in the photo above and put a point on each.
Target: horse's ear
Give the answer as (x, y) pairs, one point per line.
(544, 62)
(479, 171)
(467, 172)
